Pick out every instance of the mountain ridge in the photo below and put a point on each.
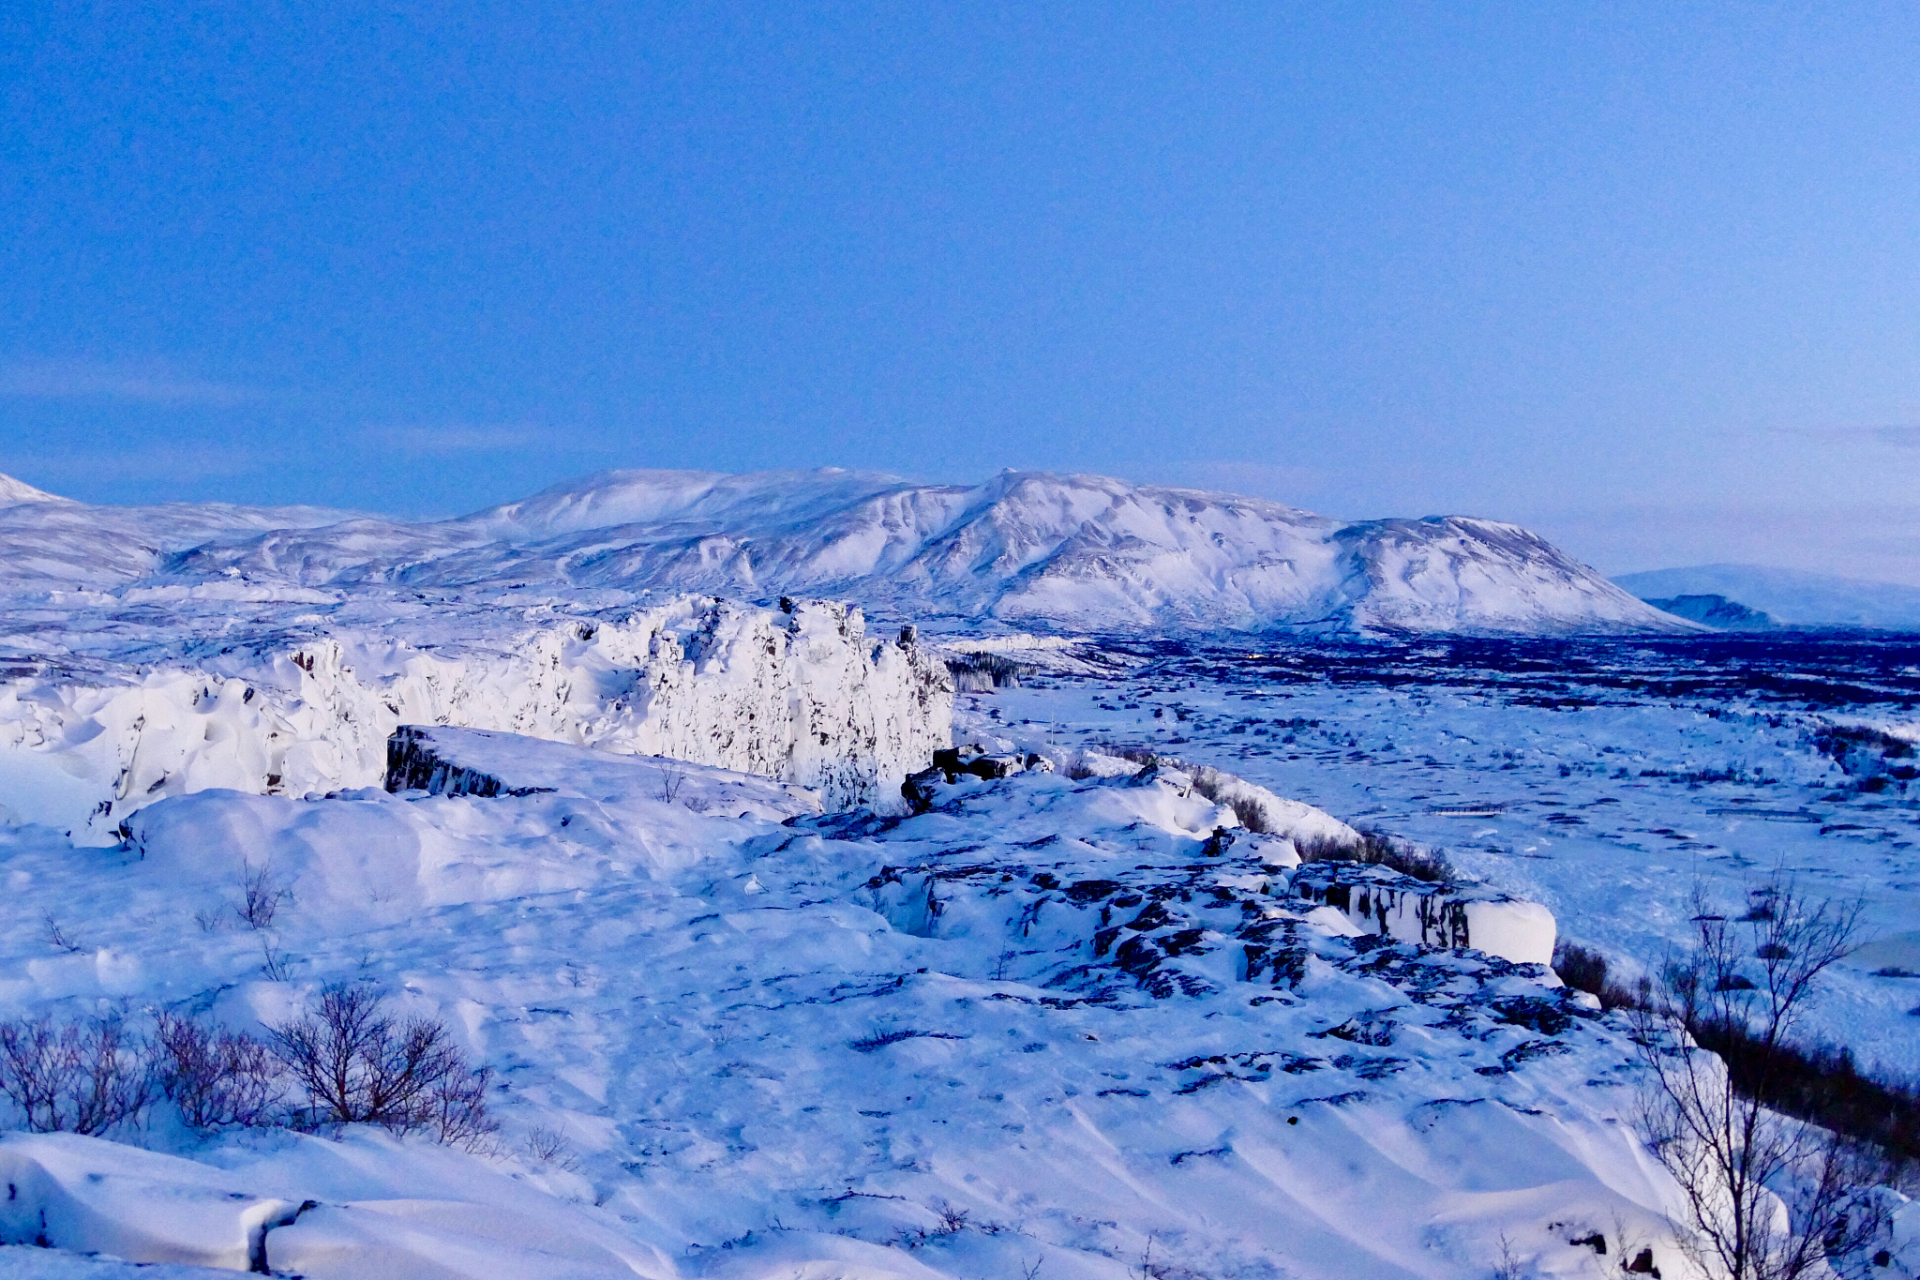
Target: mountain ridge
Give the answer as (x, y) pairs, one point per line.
(1076, 552)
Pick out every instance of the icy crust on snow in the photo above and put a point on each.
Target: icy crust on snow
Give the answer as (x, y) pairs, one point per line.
(801, 695)
(1077, 552)
(1397, 906)
(1051, 1021)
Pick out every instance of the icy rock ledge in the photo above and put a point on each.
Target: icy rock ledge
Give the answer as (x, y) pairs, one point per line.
(1400, 907)
(475, 762)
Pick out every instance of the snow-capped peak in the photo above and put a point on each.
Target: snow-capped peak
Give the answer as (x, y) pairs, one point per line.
(17, 492)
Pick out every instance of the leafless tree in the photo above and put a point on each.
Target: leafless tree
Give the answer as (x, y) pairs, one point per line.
(1716, 1041)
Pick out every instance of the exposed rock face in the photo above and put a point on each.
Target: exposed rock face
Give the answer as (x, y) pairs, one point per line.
(800, 695)
(1396, 906)
(416, 762)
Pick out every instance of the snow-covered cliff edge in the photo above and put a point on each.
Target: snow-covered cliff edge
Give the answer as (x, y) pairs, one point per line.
(801, 695)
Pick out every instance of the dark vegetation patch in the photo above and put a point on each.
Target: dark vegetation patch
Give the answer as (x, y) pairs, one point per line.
(1819, 1083)
(1375, 849)
(353, 1061)
(881, 1039)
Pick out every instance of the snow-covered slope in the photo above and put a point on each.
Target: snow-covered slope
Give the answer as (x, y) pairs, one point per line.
(1795, 598)
(14, 491)
(1717, 612)
(51, 543)
(1071, 552)
(1053, 1027)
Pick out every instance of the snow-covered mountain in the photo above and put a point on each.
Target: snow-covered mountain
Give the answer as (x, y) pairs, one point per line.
(1795, 598)
(13, 492)
(54, 543)
(1073, 552)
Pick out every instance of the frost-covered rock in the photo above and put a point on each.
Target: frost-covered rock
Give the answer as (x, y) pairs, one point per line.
(801, 695)
(1398, 906)
(476, 762)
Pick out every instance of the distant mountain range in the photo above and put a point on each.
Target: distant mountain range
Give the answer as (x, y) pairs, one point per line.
(1033, 549)
(1786, 597)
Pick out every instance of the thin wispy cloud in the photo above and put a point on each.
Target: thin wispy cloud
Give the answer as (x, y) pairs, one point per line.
(186, 463)
(144, 383)
(457, 438)
(1901, 435)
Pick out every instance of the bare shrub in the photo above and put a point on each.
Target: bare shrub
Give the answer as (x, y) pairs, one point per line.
(1744, 987)
(356, 1064)
(550, 1146)
(58, 936)
(1585, 969)
(219, 1079)
(1374, 849)
(273, 961)
(260, 895)
(74, 1078)
(456, 1110)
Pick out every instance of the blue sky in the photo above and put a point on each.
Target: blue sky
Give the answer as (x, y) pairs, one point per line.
(1646, 277)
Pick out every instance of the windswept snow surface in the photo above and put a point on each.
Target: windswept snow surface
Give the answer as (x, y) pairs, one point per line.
(1039, 1030)
(1073, 552)
(752, 1019)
